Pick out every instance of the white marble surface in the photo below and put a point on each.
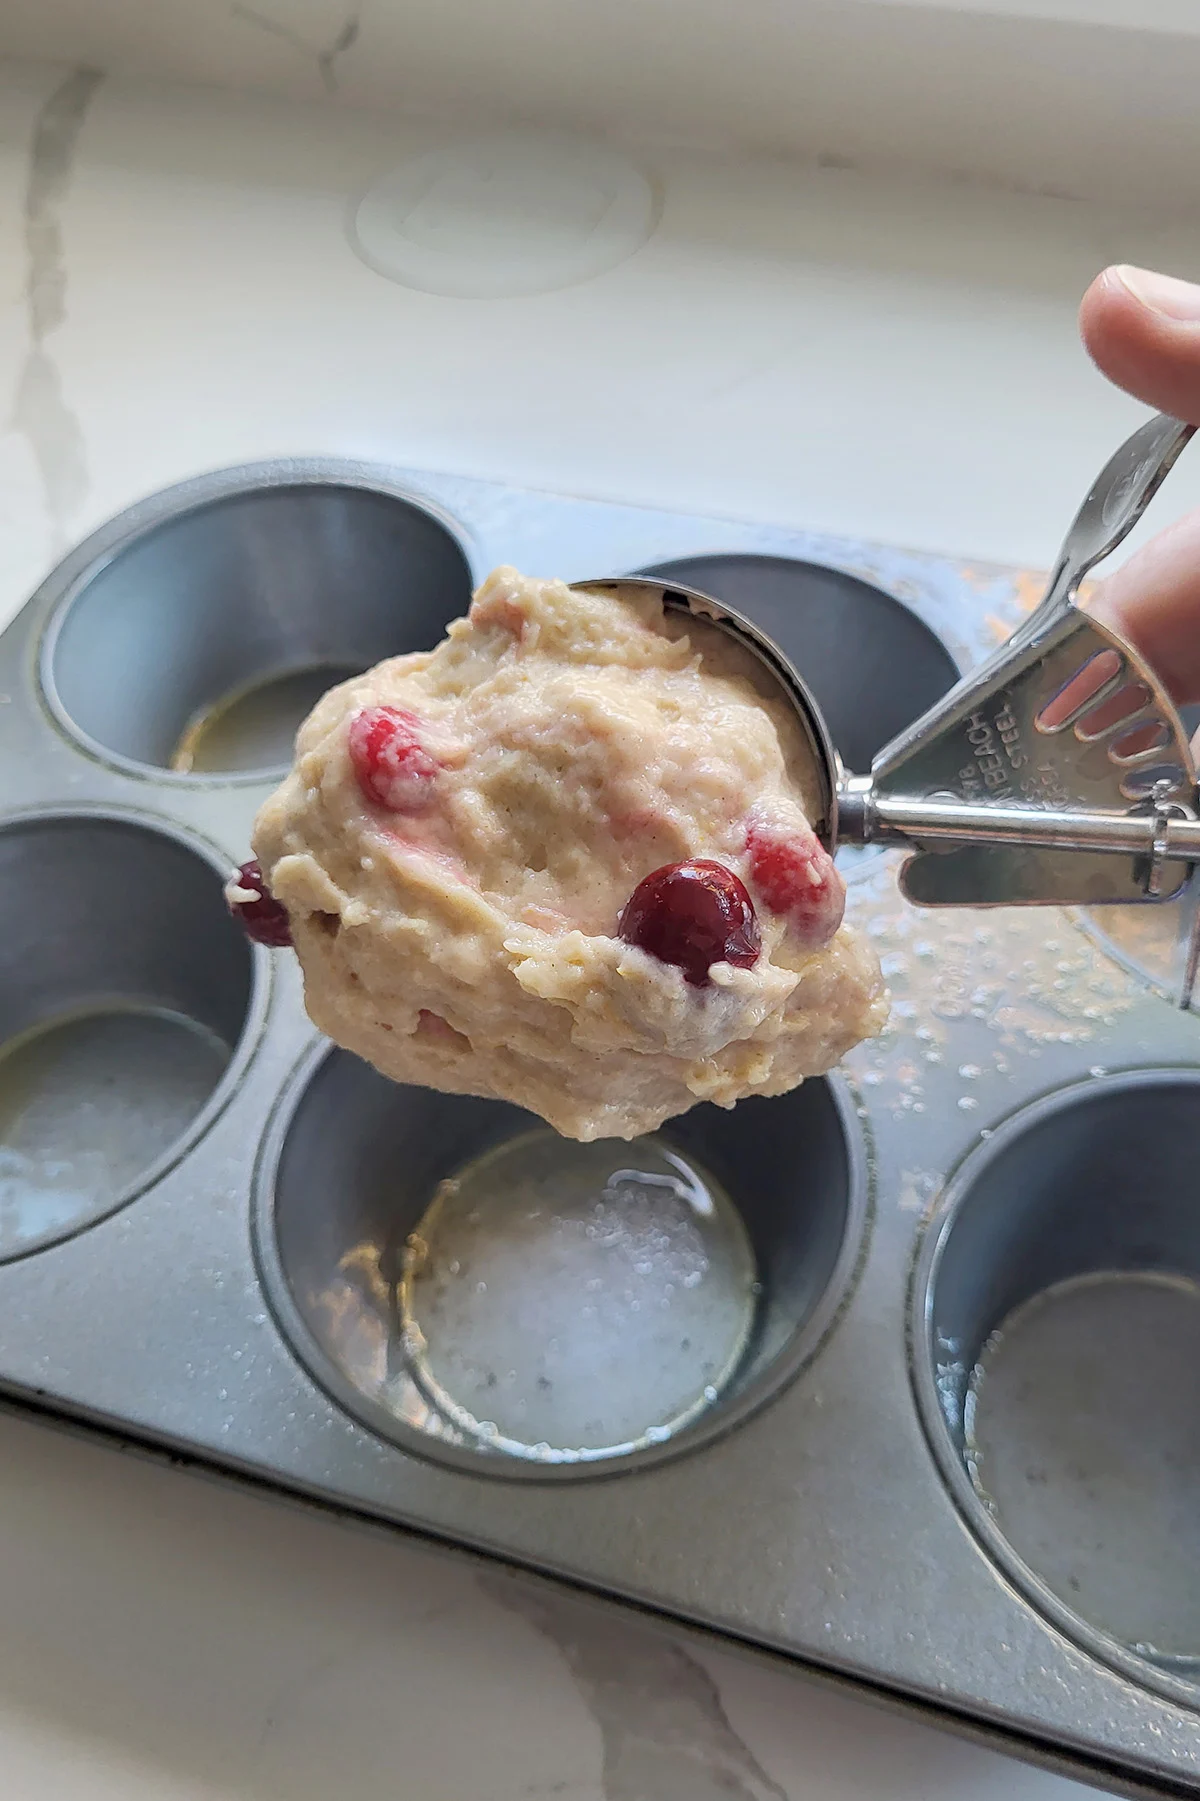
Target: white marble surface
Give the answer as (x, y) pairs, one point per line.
(1080, 97)
(165, 1640)
(177, 292)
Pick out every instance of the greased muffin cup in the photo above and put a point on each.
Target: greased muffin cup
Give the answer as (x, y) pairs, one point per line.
(127, 1010)
(1056, 1319)
(475, 1287)
(199, 644)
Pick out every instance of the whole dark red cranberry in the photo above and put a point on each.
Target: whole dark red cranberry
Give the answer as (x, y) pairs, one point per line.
(263, 918)
(393, 767)
(794, 874)
(693, 915)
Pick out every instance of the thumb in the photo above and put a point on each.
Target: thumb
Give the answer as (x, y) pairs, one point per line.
(1143, 331)
(1154, 599)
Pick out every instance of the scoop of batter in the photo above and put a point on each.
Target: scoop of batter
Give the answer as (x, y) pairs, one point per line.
(564, 860)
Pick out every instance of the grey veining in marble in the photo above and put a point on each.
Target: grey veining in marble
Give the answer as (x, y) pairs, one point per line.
(662, 1722)
(325, 56)
(40, 408)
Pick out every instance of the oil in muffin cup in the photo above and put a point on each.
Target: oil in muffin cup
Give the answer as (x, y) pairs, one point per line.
(1056, 1334)
(478, 1289)
(127, 1010)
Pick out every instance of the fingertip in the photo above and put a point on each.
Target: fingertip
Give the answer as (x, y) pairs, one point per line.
(1146, 346)
(1116, 327)
(1105, 303)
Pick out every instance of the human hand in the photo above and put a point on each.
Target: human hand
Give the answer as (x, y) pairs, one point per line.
(1143, 331)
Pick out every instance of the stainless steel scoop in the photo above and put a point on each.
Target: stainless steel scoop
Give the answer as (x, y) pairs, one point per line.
(1003, 797)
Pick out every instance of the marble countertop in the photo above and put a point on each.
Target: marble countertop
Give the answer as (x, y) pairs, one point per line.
(1066, 97)
(166, 1639)
(893, 359)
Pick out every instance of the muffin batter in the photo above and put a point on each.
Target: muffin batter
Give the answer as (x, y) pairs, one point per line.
(564, 860)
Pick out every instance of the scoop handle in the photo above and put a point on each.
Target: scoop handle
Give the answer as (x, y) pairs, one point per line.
(1002, 807)
(1112, 507)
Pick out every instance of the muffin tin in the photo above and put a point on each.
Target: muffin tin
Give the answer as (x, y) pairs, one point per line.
(917, 1408)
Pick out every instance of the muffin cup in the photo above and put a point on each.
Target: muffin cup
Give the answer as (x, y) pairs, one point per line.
(368, 1250)
(1056, 1332)
(129, 1001)
(200, 642)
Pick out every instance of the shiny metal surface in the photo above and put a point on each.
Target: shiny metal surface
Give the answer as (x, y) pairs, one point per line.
(1134, 835)
(1112, 507)
(127, 1013)
(820, 1525)
(352, 1162)
(1056, 1322)
(236, 612)
(995, 747)
(986, 751)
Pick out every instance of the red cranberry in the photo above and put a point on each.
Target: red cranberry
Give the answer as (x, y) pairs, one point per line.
(393, 767)
(263, 918)
(796, 878)
(692, 915)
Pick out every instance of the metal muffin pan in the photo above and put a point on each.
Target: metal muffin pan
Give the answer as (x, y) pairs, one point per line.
(214, 628)
(334, 1216)
(127, 1014)
(956, 1208)
(1056, 1315)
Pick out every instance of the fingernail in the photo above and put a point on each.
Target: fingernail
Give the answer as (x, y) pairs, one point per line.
(1163, 294)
